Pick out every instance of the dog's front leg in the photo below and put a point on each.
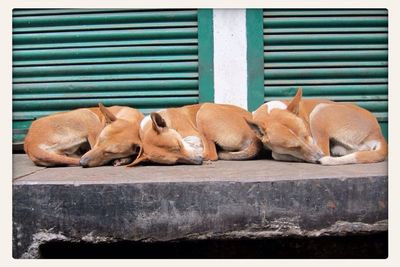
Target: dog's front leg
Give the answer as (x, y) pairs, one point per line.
(210, 150)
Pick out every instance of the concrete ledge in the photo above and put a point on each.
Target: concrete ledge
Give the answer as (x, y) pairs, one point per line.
(220, 200)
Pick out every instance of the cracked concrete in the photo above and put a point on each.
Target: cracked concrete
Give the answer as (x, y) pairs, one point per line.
(340, 228)
(39, 239)
(24, 167)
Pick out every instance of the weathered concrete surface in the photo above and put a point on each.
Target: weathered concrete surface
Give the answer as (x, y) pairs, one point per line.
(247, 199)
(24, 166)
(224, 171)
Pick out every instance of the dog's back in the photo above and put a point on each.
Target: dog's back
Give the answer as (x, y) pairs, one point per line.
(56, 139)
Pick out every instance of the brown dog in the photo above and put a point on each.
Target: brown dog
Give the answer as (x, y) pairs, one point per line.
(119, 139)
(313, 130)
(62, 138)
(190, 134)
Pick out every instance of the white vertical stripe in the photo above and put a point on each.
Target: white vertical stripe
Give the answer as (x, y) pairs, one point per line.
(230, 56)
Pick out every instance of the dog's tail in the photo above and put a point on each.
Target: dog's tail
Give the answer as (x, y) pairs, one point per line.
(249, 152)
(45, 158)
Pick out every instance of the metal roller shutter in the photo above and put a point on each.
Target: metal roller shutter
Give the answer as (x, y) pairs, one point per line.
(70, 58)
(339, 54)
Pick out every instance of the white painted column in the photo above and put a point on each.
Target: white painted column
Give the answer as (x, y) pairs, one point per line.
(230, 57)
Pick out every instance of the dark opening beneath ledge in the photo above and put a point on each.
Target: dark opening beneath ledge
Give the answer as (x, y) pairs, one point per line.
(371, 246)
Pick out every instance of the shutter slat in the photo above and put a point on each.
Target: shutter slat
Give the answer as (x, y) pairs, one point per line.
(101, 18)
(95, 69)
(109, 77)
(327, 22)
(342, 98)
(119, 26)
(332, 81)
(56, 11)
(104, 55)
(318, 39)
(326, 47)
(109, 60)
(89, 52)
(326, 30)
(135, 93)
(106, 44)
(102, 36)
(363, 55)
(323, 90)
(325, 73)
(79, 86)
(58, 104)
(323, 12)
(327, 64)
(356, 58)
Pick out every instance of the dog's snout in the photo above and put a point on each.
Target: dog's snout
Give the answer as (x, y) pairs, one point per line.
(84, 162)
(318, 156)
(198, 160)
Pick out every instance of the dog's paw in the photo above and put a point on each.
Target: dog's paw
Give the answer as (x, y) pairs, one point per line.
(116, 162)
(122, 161)
(208, 162)
(327, 160)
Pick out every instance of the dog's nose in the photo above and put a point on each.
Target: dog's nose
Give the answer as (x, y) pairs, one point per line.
(198, 160)
(84, 162)
(318, 157)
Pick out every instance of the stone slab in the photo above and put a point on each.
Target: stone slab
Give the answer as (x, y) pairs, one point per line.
(219, 200)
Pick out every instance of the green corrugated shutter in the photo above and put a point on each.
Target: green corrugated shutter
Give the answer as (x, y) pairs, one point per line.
(339, 54)
(70, 58)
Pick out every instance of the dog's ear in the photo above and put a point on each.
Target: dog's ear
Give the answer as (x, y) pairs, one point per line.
(140, 158)
(256, 127)
(107, 114)
(158, 122)
(295, 103)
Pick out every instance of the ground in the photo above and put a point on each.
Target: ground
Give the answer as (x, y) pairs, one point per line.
(221, 200)
(24, 172)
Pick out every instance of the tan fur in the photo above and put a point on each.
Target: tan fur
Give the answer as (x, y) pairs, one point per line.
(212, 123)
(61, 139)
(56, 139)
(161, 137)
(119, 139)
(355, 128)
(308, 127)
(225, 126)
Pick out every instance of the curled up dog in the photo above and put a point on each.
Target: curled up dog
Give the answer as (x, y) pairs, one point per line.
(319, 131)
(63, 138)
(191, 134)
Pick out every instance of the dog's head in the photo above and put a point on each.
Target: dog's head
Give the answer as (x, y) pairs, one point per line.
(164, 145)
(284, 132)
(118, 139)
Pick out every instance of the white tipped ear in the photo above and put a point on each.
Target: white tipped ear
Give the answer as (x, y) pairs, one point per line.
(109, 117)
(295, 103)
(158, 122)
(256, 127)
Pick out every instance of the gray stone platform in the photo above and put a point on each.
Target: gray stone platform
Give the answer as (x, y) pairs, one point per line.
(219, 200)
